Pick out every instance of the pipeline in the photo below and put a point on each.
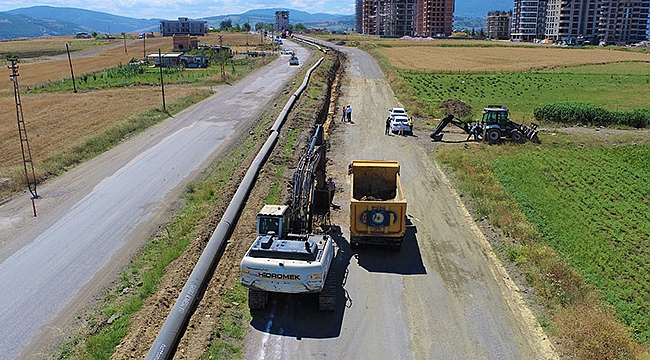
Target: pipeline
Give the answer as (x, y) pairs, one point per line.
(170, 334)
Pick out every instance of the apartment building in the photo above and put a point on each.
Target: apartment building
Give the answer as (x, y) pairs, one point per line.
(281, 20)
(572, 20)
(528, 20)
(623, 21)
(498, 25)
(183, 26)
(396, 18)
(590, 21)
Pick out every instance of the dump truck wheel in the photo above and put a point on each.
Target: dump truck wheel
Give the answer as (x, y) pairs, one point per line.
(516, 136)
(257, 300)
(493, 136)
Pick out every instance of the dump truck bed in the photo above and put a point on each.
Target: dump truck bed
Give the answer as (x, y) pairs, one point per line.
(377, 204)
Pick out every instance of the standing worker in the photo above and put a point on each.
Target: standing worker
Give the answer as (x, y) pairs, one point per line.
(387, 132)
(345, 108)
(330, 188)
(349, 113)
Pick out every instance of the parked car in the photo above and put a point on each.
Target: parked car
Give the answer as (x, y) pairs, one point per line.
(397, 111)
(294, 61)
(400, 122)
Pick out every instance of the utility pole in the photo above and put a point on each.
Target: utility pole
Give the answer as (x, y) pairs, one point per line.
(24, 143)
(144, 46)
(162, 84)
(124, 37)
(221, 55)
(74, 85)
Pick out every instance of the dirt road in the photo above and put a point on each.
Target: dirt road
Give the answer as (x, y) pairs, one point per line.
(444, 296)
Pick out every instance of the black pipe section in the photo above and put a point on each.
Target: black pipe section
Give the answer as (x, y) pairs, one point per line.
(172, 330)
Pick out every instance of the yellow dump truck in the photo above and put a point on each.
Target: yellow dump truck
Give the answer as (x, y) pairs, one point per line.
(377, 204)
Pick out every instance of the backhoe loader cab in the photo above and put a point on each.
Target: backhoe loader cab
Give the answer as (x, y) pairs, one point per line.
(497, 126)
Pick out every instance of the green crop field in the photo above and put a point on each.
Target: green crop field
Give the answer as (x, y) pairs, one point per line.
(591, 204)
(574, 209)
(126, 75)
(624, 88)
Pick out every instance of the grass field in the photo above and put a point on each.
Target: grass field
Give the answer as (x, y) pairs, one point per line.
(591, 204)
(522, 92)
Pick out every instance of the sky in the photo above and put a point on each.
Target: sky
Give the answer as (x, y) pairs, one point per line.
(166, 9)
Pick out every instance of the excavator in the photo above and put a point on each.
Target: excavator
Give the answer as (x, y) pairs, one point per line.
(494, 126)
(287, 255)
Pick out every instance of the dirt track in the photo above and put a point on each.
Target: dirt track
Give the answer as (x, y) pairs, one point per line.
(445, 295)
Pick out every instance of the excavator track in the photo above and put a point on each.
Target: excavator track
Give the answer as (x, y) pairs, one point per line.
(327, 297)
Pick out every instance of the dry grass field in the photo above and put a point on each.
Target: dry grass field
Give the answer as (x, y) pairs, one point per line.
(35, 72)
(88, 58)
(502, 58)
(56, 122)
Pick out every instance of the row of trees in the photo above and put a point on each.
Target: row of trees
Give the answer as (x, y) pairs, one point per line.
(227, 25)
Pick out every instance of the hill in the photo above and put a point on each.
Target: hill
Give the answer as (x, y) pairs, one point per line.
(319, 20)
(480, 8)
(89, 20)
(21, 26)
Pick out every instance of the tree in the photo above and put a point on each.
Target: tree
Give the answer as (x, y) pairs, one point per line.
(225, 25)
(237, 28)
(247, 27)
(258, 26)
(300, 27)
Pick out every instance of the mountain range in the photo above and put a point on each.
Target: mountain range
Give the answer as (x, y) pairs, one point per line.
(38, 21)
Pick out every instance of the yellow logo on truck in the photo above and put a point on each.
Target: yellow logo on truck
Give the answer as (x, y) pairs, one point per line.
(377, 217)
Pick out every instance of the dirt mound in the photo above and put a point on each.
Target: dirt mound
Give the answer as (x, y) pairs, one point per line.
(457, 108)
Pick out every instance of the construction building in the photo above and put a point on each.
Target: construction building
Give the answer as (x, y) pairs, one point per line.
(434, 18)
(358, 24)
(388, 18)
(281, 20)
(498, 25)
(397, 18)
(528, 20)
(185, 42)
(183, 26)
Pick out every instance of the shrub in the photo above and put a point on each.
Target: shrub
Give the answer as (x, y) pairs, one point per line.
(588, 114)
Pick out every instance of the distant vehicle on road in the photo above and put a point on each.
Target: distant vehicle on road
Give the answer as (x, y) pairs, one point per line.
(286, 52)
(294, 61)
(397, 111)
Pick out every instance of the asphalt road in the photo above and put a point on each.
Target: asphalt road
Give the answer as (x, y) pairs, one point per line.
(444, 296)
(92, 219)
